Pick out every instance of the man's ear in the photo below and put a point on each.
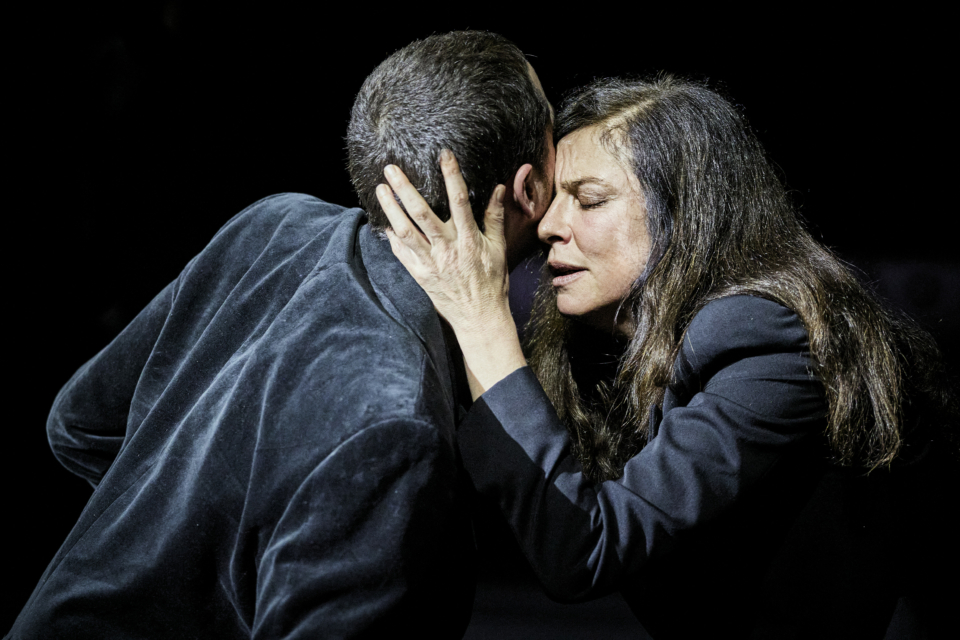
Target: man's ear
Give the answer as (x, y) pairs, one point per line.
(525, 191)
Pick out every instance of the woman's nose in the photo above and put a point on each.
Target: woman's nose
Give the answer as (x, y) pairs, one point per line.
(553, 227)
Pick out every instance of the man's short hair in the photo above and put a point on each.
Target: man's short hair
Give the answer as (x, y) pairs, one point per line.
(468, 91)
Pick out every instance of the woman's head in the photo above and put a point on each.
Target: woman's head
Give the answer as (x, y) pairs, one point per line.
(706, 197)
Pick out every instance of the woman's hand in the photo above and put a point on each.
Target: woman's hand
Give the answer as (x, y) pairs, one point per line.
(463, 270)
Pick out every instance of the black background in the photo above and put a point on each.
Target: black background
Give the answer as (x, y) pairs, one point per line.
(140, 128)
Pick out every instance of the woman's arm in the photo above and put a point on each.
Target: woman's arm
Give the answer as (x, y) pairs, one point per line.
(463, 270)
(743, 402)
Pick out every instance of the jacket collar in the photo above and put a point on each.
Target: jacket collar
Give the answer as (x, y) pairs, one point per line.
(405, 301)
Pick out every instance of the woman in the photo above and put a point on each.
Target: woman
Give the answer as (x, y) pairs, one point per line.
(719, 381)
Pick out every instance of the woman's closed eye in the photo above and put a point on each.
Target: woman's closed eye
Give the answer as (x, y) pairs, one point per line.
(592, 197)
(586, 203)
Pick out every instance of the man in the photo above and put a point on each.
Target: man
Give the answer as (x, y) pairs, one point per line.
(271, 439)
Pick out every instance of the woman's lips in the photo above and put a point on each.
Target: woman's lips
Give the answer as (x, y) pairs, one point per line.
(564, 274)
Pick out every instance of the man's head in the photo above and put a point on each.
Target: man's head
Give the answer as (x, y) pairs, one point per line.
(468, 91)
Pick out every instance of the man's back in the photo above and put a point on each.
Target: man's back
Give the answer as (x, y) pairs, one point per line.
(271, 441)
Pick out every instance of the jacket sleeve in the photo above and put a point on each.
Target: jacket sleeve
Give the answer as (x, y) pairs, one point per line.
(744, 396)
(88, 421)
(372, 541)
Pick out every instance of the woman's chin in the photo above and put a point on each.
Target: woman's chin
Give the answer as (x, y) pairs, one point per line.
(570, 309)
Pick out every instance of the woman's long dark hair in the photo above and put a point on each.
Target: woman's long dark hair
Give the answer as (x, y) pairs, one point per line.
(722, 224)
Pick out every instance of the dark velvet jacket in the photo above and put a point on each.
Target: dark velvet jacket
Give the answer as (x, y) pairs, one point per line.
(729, 523)
(271, 446)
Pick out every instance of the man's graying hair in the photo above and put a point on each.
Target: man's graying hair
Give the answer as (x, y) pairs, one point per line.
(468, 91)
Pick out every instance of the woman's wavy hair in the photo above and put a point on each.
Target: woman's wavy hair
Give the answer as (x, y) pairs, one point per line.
(722, 224)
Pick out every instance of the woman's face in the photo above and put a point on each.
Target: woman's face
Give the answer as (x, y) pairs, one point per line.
(597, 231)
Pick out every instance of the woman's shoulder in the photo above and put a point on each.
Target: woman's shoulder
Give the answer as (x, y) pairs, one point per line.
(741, 326)
(754, 353)
(744, 320)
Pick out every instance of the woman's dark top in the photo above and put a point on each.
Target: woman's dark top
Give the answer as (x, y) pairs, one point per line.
(729, 522)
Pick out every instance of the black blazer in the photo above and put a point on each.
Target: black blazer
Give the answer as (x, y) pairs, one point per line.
(729, 523)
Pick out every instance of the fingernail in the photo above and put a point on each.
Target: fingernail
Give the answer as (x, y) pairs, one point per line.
(381, 190)
(446, 155)
(501, 190)
(390, 171)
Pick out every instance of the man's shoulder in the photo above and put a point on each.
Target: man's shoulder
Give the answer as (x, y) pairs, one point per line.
(291, 212)
(290, 203)
(277, 230)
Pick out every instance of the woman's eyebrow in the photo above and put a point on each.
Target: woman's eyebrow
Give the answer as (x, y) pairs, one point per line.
(572, 186)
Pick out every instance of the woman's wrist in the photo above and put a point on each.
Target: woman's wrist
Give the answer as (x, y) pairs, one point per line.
(491, 354)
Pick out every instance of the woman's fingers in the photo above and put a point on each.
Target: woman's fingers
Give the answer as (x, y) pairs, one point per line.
(459, 197)
(452, 261)
(493, 217)
(457, 193)
(413, 202)
(403, 229)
